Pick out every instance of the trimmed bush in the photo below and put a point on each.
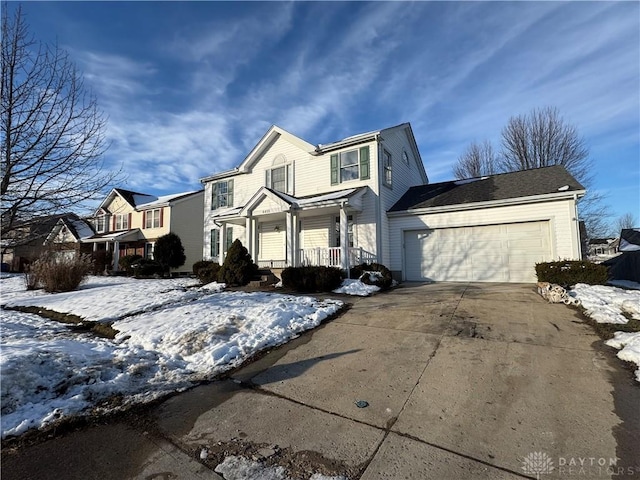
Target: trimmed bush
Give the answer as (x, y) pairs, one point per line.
(147, 268)
(238, 267)
(60, 274)
(373, 274)
(311, 279)
(206, 271)
(169, 252)
(570, 272)
(126, 262)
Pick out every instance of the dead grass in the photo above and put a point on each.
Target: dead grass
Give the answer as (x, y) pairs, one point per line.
(78, 324)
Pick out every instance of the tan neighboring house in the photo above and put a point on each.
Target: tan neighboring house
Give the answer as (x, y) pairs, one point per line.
(368, 198)
(128, 223)
(67, 236)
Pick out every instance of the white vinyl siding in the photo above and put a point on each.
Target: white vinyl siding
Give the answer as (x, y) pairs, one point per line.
(271, 241)
(316, 232)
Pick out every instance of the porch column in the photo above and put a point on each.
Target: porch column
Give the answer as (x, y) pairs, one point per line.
(223, 242)
(116, 255)
(344, 238)
(292, 235)
(95, 246)
(248, 229)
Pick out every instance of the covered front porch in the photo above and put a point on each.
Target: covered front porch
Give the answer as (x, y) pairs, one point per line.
(282, 231)
(119, 244)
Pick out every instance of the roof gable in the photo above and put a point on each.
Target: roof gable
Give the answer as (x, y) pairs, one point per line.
(273, 134)
(524, 183)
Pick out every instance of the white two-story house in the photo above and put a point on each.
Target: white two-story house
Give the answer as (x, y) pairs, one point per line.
(367, 198)
(292, 203)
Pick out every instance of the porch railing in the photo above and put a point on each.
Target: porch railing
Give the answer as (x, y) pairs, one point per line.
(331, 257)
(272, 263)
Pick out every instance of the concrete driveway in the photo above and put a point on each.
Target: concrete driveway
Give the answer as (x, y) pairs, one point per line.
(460, 380)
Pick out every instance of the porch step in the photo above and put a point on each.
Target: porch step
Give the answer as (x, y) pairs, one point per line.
(263, 278)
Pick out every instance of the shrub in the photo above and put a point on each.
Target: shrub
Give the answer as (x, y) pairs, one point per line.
(61, 274)
(311, 279)
(206, 271)
(169, 252)
(570, 272)
(199, 265)
(126, 262)
(238, 267)
(101, 259)
(147, 268)
(373, 274)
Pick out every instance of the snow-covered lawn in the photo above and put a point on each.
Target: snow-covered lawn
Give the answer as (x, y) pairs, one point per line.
(607, 304)
(183, 335)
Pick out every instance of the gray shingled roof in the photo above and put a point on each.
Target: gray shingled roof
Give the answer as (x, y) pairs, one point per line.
(524, 183)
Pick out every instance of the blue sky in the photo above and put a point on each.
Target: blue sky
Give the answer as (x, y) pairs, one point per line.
(190, 87)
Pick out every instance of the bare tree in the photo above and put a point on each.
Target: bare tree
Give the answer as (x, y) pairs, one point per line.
(52, 131)
(623, 222)
(542, 139)
(477, 160)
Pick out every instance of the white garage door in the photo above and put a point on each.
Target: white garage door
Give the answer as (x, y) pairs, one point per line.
(492, 253)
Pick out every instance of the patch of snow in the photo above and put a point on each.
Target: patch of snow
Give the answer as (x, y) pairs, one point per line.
(104, 299)
(606, 304)
(356, 287)
(184, 336)
(630, 345)
(278, 285)
(469, 180)
(242, 468)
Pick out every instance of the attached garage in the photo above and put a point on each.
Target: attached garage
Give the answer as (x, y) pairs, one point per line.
(489, 229)
(488, 253)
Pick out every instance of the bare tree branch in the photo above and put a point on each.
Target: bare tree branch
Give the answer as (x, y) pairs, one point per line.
(541, 139)
(476, 161)
(52, 130)
(628, 220)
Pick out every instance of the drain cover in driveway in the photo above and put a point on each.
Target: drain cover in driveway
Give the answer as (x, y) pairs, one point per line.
(362, 404)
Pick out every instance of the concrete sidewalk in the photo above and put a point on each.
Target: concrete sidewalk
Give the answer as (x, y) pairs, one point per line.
(461, 381)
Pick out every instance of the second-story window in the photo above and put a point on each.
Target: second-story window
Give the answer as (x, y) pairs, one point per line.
(222, 194)
(121, 221)
(153, 218)
(101, 224)
(279, 179)
(350, 165)
(386, 167)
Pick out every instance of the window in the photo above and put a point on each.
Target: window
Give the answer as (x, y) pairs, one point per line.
(222, 194)
(148, 251)
(349, 231)
(386, 167)
(122, 221)
(215, 243)
(405, 156)
(279, 179)
(350, 165)
(101, 224)
(153, 218)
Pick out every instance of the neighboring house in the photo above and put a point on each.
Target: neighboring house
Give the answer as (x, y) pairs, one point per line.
(603, 246)
(67, 235)
(27, 241)
(128, 223)
(626, 266)
(367, 198)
